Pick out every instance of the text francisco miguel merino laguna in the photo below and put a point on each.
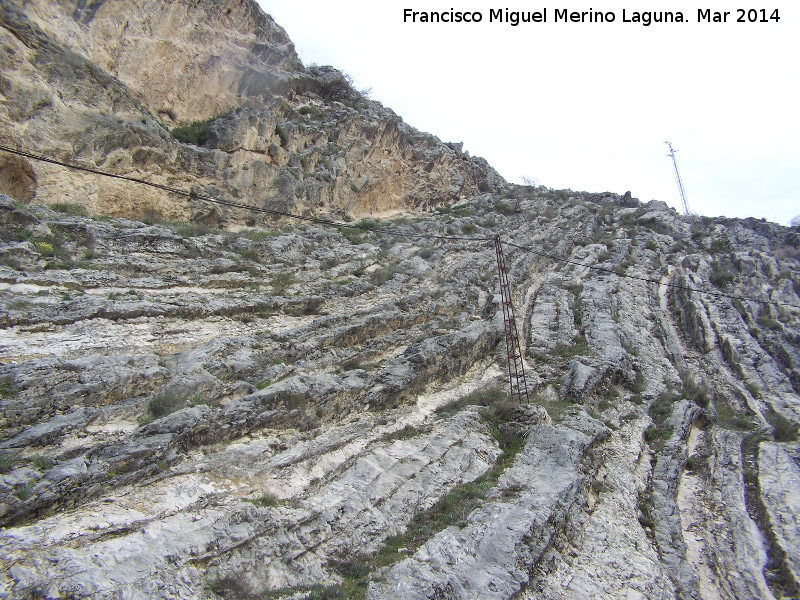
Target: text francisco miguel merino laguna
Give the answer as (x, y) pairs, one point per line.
(564, 15)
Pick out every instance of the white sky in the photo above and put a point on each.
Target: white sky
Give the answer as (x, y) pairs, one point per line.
(587, 106)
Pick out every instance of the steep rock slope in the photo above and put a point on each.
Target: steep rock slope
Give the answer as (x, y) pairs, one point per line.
(239, 409)
(313, 412)
(102, 83)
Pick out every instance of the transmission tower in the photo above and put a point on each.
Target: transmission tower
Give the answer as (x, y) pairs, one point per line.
(678, 177)
(518, 387)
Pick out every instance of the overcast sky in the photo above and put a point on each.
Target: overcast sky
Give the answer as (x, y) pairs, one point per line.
(587, 106)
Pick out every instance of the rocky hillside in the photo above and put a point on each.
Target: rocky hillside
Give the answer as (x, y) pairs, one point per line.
(105, 83)
(225, 408)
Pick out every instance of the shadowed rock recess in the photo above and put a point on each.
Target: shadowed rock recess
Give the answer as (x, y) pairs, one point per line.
(202, 402)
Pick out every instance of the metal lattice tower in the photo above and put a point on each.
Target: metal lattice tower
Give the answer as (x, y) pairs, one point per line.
(678, 177)
(518, 387)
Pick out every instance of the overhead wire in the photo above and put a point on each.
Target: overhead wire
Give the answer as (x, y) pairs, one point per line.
(371, 228)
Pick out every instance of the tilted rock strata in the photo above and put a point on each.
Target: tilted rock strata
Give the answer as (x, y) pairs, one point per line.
(216, 409)
(307, 368)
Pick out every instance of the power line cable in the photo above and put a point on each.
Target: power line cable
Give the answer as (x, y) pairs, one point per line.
(319, 221)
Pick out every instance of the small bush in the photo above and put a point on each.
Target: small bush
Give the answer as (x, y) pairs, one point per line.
(6, 463)
(351, 365)
(328, 592)
(151, 215)
(504, 208)
(311, 111)
(7, 387)
(783, 430)
(264, 500)
(720, 277)
(281, 281)
(165, 403)
(70, 209)
(44, 248)
(42, 463)
(25, 492)
(579, 348)
(195, 133)
(729, 419)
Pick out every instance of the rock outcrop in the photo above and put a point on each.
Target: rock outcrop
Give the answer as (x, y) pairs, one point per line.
(102, 84)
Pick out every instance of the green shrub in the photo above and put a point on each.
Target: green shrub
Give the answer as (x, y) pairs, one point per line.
(783, 430)
(44, 248)
(25, 492)
(720, 277)
(195, 133)
(6, 463)
(7, 387)
(503, 207)
(42, 463)
(351, 365)
(264, 500)
(70, 209)
(281, 281)
(165, 403)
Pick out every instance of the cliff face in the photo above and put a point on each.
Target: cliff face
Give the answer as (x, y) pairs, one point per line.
(293, 411)
(101, 83)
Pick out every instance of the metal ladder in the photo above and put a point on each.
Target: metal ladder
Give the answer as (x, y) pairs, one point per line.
(518, 386)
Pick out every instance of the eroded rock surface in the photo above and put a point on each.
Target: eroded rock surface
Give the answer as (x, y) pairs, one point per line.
(245, 408)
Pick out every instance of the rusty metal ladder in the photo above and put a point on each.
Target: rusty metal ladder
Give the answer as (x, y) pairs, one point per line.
(518, 386)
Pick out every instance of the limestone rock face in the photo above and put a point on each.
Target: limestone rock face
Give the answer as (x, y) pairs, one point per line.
(190, 412)
(102, 84)
(197, 402)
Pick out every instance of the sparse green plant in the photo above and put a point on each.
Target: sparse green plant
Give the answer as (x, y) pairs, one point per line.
(281, 281)
(728, 418)
(311, 111)
(264, 500)
(165, 403)
(383, 274)
(42, 463)
(660, 409)
(195, 133)
(24, 492)
(151, 214)
(328, 263)
(351, 365)
(783, 430)
(7, 387)
(70, 208)
(44, 248)
(504, 208)
(579, 347)
(407, 432)
(6, 463)
(753, 389)
(720, 277)
(699, 393)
